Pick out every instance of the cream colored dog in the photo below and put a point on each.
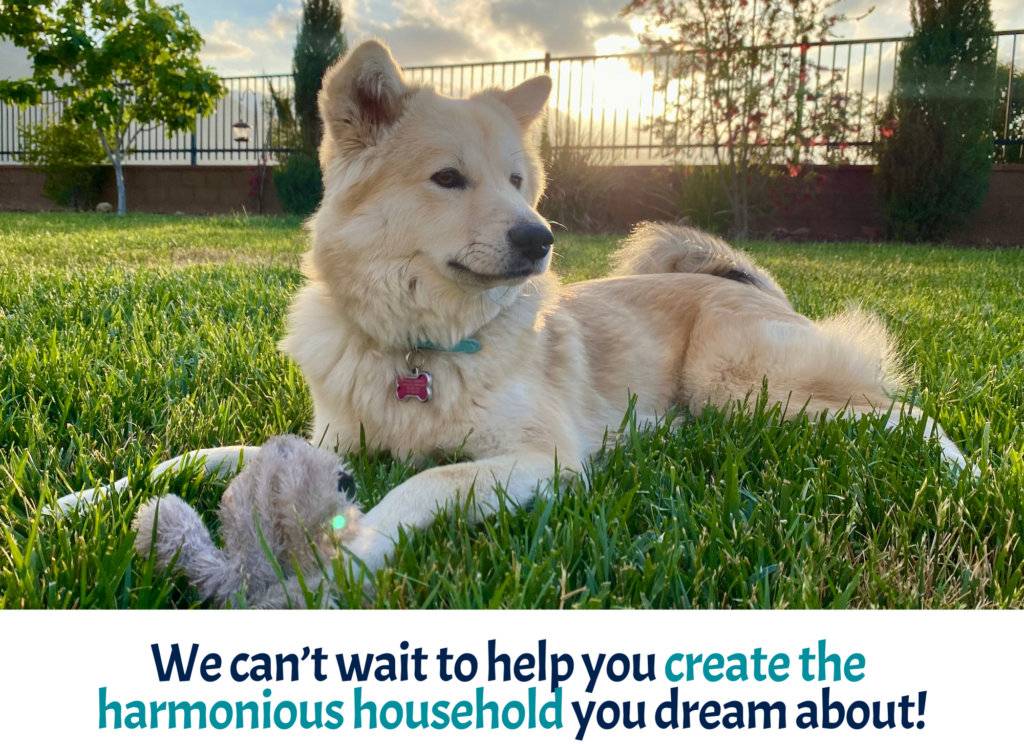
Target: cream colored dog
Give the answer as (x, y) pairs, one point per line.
(428, 235)
(430, 318)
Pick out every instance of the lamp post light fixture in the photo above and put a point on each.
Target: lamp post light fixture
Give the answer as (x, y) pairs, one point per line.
(240, 131)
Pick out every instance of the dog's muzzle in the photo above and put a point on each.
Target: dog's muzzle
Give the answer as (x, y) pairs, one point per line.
(531, 240)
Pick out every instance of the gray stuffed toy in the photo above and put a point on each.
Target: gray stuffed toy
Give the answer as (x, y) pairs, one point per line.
(302, 498)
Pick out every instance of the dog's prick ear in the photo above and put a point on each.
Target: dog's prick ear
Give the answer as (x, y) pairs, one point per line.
(527, 100)
(362, 97)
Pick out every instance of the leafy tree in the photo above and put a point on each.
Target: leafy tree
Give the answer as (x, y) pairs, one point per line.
(936, 151)
(755, 103)
(69, 154)
(121, 67)
(319, 44)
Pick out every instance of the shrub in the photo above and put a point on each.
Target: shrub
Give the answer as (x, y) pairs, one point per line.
(935, 146)
(299, 184)
(70, 155)
(580, 184)
(696, 194)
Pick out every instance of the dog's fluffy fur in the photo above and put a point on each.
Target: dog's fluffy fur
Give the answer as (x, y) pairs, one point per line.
(655, 248)
(396, 260)
(404, 254)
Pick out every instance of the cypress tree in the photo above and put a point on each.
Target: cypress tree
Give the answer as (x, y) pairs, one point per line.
(319, 44)
(935, 147)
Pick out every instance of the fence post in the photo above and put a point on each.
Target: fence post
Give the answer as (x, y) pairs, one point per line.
(193, 149)
(547, 63)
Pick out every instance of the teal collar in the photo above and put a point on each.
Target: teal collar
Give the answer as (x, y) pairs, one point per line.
(465, 346)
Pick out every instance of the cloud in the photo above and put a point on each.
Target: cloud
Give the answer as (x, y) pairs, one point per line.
(871, 19)
(429, 43)
(447, 31)
(1008, 14)
(223, 43)
(236, 49)
(425, 32)
(422, 32)
(562, 28)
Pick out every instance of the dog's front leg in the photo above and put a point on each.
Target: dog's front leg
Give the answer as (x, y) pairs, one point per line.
(416, 502)
(222, 461)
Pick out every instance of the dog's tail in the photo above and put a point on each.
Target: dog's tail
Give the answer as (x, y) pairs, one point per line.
(660, 248)
(171, 528)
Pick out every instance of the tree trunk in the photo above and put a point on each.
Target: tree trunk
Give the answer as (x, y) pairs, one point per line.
(739, 224)
(119, 178)
(115, 160)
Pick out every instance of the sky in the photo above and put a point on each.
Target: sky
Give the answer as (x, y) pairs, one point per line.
(256, 36)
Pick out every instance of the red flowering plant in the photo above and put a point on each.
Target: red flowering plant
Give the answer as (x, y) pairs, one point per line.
(757, 100)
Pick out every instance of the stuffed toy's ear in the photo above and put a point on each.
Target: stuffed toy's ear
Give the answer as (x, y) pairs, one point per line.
(527, 100)
(362, 98)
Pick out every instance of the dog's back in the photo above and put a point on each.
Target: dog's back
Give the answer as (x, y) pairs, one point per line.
(660, 248)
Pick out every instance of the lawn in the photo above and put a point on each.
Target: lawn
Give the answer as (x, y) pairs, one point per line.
(125, 341)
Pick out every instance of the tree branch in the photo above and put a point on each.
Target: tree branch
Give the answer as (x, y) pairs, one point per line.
(140, 130)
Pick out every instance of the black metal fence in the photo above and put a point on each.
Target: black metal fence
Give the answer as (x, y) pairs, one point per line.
(603, 104)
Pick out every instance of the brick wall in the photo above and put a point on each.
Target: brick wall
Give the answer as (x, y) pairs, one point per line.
(1001, 218)
(21, 190)
(845, 208)
(163, 189)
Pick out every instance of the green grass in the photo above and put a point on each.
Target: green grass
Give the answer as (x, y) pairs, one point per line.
(126, 341)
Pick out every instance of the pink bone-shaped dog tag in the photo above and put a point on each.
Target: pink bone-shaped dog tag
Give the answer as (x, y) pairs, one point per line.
(418, 387)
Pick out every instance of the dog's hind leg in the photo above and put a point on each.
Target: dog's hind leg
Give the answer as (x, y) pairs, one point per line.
(951, 453)
(415, 503)
(218, 460)
(830, 366)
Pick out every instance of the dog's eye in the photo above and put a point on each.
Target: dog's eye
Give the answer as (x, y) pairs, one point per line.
(516, 180)
(449, 178)
(346, 484)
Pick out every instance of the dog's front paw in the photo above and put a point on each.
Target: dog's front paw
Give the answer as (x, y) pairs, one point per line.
(368, 549)
(68, 504)
(86, 497)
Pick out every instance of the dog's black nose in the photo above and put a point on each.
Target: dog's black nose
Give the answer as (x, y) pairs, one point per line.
(532, 239)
